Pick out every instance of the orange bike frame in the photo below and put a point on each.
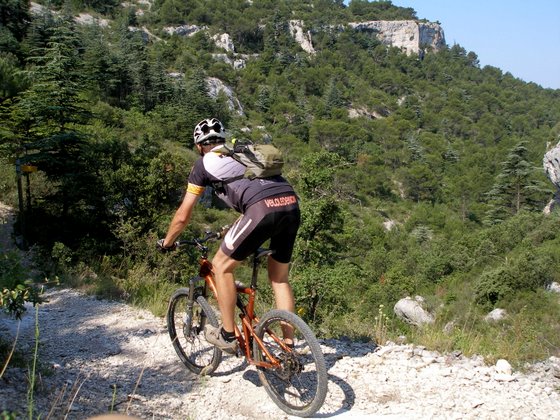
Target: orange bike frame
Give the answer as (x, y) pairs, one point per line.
(248, 319)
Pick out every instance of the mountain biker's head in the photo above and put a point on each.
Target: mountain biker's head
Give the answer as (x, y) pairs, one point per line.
(208, 134)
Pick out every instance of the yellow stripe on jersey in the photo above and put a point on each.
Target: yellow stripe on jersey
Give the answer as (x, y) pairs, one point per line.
(195, 189)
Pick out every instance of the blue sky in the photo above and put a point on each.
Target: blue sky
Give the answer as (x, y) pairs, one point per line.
(520, 37)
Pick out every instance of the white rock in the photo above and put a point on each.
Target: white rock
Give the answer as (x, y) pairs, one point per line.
(216, 86)
(409, 35)
(551, 165)
(410, 311)
(496, 315)
(183, 30)
(502, 377)
(224, 41)
(554, 287)
(303, 39)
(503, 367)
(87, 19)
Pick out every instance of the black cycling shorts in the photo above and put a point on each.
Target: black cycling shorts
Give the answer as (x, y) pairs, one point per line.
(274, 218)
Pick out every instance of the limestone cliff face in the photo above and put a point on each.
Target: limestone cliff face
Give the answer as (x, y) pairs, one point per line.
(410, 35)
(301, 37)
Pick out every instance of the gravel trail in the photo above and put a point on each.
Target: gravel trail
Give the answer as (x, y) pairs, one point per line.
(98, 354)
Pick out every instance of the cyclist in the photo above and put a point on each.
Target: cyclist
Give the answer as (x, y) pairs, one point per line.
(269, 210)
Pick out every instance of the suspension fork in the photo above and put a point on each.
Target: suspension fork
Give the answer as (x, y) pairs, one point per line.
(193, 285)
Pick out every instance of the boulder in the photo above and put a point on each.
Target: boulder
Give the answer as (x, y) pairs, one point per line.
(411, 311)
(495, 315)
(554, 287)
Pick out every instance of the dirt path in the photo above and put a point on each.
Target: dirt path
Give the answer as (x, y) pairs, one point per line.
(89, 346)
(98, 354)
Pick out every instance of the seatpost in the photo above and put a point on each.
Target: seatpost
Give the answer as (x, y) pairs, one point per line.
(255, 271)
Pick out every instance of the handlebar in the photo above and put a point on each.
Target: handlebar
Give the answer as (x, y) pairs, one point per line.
(209, 236)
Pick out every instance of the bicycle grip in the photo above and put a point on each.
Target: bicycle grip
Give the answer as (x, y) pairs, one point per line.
(162, 248)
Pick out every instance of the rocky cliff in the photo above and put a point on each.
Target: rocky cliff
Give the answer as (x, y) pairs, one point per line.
(409, 35)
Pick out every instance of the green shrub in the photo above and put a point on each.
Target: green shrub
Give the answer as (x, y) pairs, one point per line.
(527, 271)
(493, 285)
(15, 287)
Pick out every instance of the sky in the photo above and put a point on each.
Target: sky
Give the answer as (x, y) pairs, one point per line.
(516, 36)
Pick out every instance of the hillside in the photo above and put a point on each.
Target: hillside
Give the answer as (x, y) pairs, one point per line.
(419, 172)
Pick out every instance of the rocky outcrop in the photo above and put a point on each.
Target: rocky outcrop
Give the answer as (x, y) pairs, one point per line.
(183, 30)
(216, 86)
(551, 166)
(301, 37)
(366, 113)
(409, 35)
(87, 19)
(238, 62)
(224, 41)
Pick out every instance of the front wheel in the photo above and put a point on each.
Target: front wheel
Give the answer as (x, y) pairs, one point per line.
(185, 324)
(299, 384)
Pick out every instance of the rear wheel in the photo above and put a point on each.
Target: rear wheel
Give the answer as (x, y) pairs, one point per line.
(299, 384)
(186, 329)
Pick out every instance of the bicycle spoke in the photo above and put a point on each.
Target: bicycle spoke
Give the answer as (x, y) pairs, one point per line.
(186, 329)
(298, 384)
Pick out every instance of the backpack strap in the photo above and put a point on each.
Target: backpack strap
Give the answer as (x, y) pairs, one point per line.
(220, 186)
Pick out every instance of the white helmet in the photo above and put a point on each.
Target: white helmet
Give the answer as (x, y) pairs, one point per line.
(210, 128)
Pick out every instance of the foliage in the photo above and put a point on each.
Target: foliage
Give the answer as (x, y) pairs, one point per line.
(15, 287)
(516, 188)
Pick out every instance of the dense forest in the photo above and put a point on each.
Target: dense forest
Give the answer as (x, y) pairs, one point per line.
(434, 188)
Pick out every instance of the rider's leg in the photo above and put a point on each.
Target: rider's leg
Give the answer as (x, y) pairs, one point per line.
(223, 274)
(278, 275)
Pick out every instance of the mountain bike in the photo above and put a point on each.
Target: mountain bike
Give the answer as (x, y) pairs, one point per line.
(292, 370)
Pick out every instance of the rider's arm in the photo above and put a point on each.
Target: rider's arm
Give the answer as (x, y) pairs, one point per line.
(183, 214)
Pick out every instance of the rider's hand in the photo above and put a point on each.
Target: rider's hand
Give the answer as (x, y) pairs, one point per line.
(162, 248)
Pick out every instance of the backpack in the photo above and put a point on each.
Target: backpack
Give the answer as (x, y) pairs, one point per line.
(261, 160)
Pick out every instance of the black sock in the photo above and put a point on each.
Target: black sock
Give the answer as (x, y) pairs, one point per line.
(228, 336)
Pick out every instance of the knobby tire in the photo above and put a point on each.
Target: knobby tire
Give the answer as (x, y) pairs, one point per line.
(187, 334)
(299, 385)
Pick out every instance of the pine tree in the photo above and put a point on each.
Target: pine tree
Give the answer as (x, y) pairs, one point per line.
(515, 188)
(49, 114)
